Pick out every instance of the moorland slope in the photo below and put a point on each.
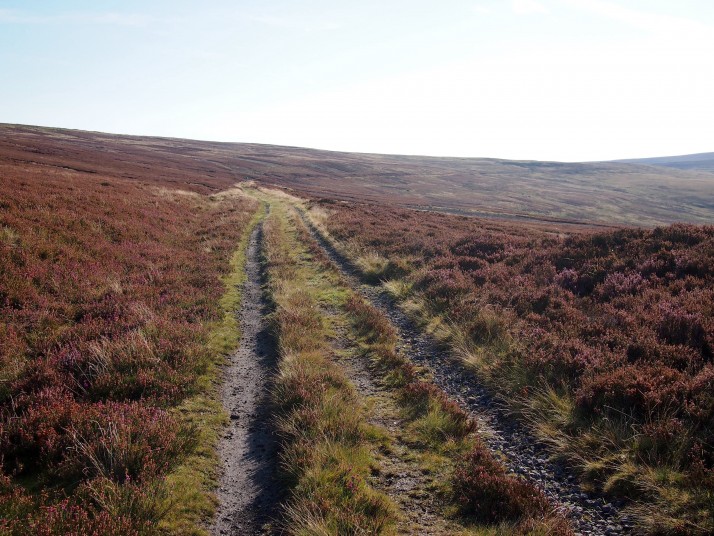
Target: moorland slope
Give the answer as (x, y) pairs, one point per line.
(698, 161)
(610, 193)
(127, 262)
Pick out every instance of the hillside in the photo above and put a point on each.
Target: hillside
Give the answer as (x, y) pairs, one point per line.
(181, 355)
(699, 161)
(608, 193)
(113, 316)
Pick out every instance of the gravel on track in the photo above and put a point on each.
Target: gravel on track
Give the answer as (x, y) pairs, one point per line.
(249, 492)
(590, 514)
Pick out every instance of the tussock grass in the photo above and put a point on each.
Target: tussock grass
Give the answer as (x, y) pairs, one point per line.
(443, 429)
(480, 487)
(325, 451)
(435, 417)
(603, 355)
(440, 433)
(610, 454)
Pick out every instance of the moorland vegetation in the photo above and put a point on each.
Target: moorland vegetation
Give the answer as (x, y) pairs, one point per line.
(603, 341)
(120, 271)
(110, 295)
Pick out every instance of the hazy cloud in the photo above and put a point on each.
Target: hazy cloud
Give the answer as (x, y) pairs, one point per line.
(645, 20)
(527, 7)
(292, 23)
(13, 16)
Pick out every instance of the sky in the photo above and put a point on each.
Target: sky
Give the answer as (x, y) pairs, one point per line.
(568, 80)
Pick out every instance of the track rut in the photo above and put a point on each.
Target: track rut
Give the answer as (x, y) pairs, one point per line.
(589, 514)
(249, 492)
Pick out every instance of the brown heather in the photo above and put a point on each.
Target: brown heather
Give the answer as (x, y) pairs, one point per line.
(109, 289)
(603, 340)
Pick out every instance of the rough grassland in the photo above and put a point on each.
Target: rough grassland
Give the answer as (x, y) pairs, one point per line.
(326, 454)
(115, 255)
(476, 489)
(607, 193)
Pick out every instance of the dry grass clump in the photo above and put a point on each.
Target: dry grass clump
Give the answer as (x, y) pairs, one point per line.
(481, 487)
(325, 454)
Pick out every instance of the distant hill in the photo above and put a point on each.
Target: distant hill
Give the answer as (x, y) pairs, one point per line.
(700, 161)
(606, 193)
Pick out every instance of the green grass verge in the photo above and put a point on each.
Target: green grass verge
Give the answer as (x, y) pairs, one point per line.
(326, 450)
(190, 499)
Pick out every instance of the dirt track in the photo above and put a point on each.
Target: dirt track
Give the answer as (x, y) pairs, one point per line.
(249, 492)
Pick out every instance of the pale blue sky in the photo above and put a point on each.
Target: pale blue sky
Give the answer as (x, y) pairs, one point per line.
(542, 79)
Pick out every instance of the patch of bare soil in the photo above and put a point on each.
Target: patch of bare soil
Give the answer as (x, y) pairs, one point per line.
(249, 491)
(399, 476)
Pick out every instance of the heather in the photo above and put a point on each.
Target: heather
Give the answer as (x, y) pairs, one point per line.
(109, 291)
(602, 339)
